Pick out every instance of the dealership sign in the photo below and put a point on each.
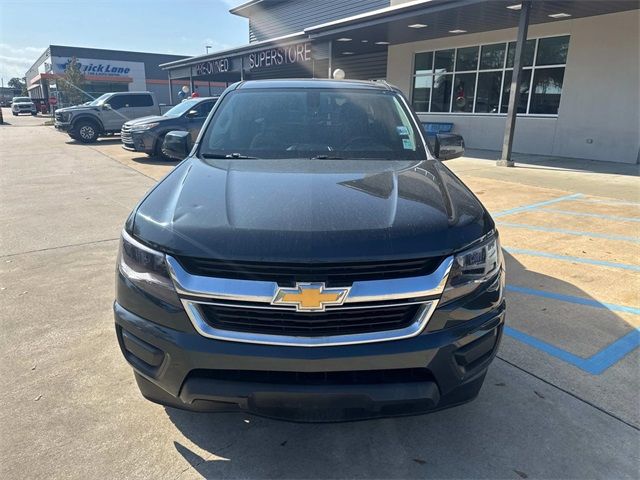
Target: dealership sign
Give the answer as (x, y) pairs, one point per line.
(273, 57)
(212, 67)
(104, 68)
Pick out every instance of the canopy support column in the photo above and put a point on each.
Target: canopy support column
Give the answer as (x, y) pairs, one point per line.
(514, 94)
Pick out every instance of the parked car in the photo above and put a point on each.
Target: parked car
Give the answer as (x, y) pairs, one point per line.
(23, 105)
(310, 259)
(146, 134)
(105, 115)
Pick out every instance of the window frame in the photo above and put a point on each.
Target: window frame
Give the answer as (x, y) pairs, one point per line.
(503, 70)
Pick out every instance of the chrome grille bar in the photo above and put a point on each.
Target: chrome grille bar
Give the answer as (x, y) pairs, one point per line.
(263, 292)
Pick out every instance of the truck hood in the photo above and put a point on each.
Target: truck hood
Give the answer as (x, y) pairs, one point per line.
(310, 210)
(77, 108)
(149, 119)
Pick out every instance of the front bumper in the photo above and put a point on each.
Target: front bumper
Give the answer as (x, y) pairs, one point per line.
(434, 370)
(143, 141)
(62, 126)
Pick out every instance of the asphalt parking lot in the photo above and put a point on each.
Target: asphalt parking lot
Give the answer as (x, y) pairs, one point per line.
(560, 401)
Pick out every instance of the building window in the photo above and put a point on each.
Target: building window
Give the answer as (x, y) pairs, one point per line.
(478, 79)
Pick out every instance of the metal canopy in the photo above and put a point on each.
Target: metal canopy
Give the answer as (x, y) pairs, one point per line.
(391, 24)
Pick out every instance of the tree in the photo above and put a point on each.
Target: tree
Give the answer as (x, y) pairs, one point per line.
(18, 85)
(71, 83)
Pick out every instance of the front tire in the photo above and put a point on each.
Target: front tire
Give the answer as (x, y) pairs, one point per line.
(158, 150)
(86, 131)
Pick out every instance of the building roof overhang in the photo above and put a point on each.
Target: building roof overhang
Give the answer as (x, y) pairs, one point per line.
(416, 21)
(246, 9)
(242, 50)
(447, 18)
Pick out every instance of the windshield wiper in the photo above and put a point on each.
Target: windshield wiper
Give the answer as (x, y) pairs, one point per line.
(327, 157)
(228, 155)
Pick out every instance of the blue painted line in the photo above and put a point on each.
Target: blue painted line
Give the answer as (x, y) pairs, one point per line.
(596, 364)
(568, 258)
(571, 299)
(593, 215)
(609, 202)
(570, 232)
(612, 354)
(545, 347)
(533, 206)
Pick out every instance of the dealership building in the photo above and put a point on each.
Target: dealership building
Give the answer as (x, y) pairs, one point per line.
(104, 71)
(578, 93)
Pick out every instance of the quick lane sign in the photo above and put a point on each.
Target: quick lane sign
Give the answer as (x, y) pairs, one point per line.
(277, 56)
(212, 67)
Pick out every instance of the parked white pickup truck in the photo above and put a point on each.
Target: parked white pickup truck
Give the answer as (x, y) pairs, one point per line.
(105, 115)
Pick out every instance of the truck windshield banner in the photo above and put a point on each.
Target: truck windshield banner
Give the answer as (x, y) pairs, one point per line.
(277, 56)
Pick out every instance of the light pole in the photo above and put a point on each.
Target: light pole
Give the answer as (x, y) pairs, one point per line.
(207, 47)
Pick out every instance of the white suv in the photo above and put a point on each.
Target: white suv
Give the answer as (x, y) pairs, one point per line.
(23, 105)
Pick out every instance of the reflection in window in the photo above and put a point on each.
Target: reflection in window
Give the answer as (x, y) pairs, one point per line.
(492, 56)
(552, 51)
(424, 63)
(441, 97)
(525, 80)
(467, 59)
(477, 79)
(529, 50)
(547, 87)
(444, 60)
(488, 93)
(422, 92)
(464, 86)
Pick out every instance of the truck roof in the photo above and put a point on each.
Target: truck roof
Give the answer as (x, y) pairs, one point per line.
(313, 83)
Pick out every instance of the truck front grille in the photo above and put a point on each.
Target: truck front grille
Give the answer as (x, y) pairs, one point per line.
(305, 324)
(333, 274)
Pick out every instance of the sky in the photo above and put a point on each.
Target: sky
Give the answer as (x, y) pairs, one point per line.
(181, 27)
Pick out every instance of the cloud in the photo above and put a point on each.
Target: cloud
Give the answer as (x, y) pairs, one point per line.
(15, 61)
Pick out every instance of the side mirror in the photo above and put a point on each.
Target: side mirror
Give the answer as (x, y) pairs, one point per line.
(192, 113)
(176, 144)
(106, 106)
(448, 146)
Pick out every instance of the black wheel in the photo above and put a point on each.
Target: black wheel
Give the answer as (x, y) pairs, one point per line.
(86, 131)
(158, 150)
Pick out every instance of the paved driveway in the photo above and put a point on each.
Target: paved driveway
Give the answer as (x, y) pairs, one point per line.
(560, 401)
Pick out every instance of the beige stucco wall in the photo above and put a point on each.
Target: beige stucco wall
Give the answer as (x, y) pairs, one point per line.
(600, 97)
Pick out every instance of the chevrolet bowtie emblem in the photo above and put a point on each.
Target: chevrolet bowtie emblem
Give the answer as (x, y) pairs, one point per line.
(310, 297)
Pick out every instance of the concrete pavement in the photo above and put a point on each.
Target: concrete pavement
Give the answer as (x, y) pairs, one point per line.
(70, 407)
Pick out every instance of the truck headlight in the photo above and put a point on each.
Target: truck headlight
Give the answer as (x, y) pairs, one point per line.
(473, 267)
(147, 269)
(143, 127)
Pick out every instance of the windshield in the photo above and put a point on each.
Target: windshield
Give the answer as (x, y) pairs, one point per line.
(312, 123)
(21, 99)
(181, 108)
(100, 100)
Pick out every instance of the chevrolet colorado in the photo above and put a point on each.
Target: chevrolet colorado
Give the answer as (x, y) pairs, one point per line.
(311, 259)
